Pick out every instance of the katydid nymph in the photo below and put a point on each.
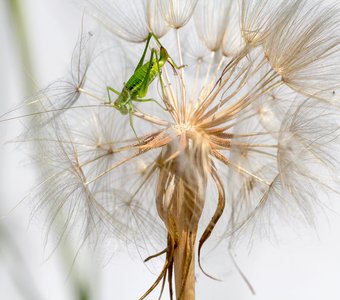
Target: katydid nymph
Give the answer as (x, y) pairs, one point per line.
(136, 88)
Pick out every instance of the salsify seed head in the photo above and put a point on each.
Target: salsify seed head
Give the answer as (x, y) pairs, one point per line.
(250, 116)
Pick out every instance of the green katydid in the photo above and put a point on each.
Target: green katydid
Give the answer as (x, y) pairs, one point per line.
(136, 88)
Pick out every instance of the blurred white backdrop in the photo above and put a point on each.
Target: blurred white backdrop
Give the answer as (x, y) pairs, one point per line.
(296, 265)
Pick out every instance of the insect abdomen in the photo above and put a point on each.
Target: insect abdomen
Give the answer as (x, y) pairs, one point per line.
(136, 80)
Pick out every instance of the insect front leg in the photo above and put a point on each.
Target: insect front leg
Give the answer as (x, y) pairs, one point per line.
(108, 89)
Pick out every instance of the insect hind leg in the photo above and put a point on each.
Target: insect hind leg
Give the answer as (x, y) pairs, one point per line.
(141, 61)
(161, 83)
(131, 111)
(147, 80)
(170, 60)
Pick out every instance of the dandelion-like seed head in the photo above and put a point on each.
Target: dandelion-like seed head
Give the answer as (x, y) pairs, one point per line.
(241, 110)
